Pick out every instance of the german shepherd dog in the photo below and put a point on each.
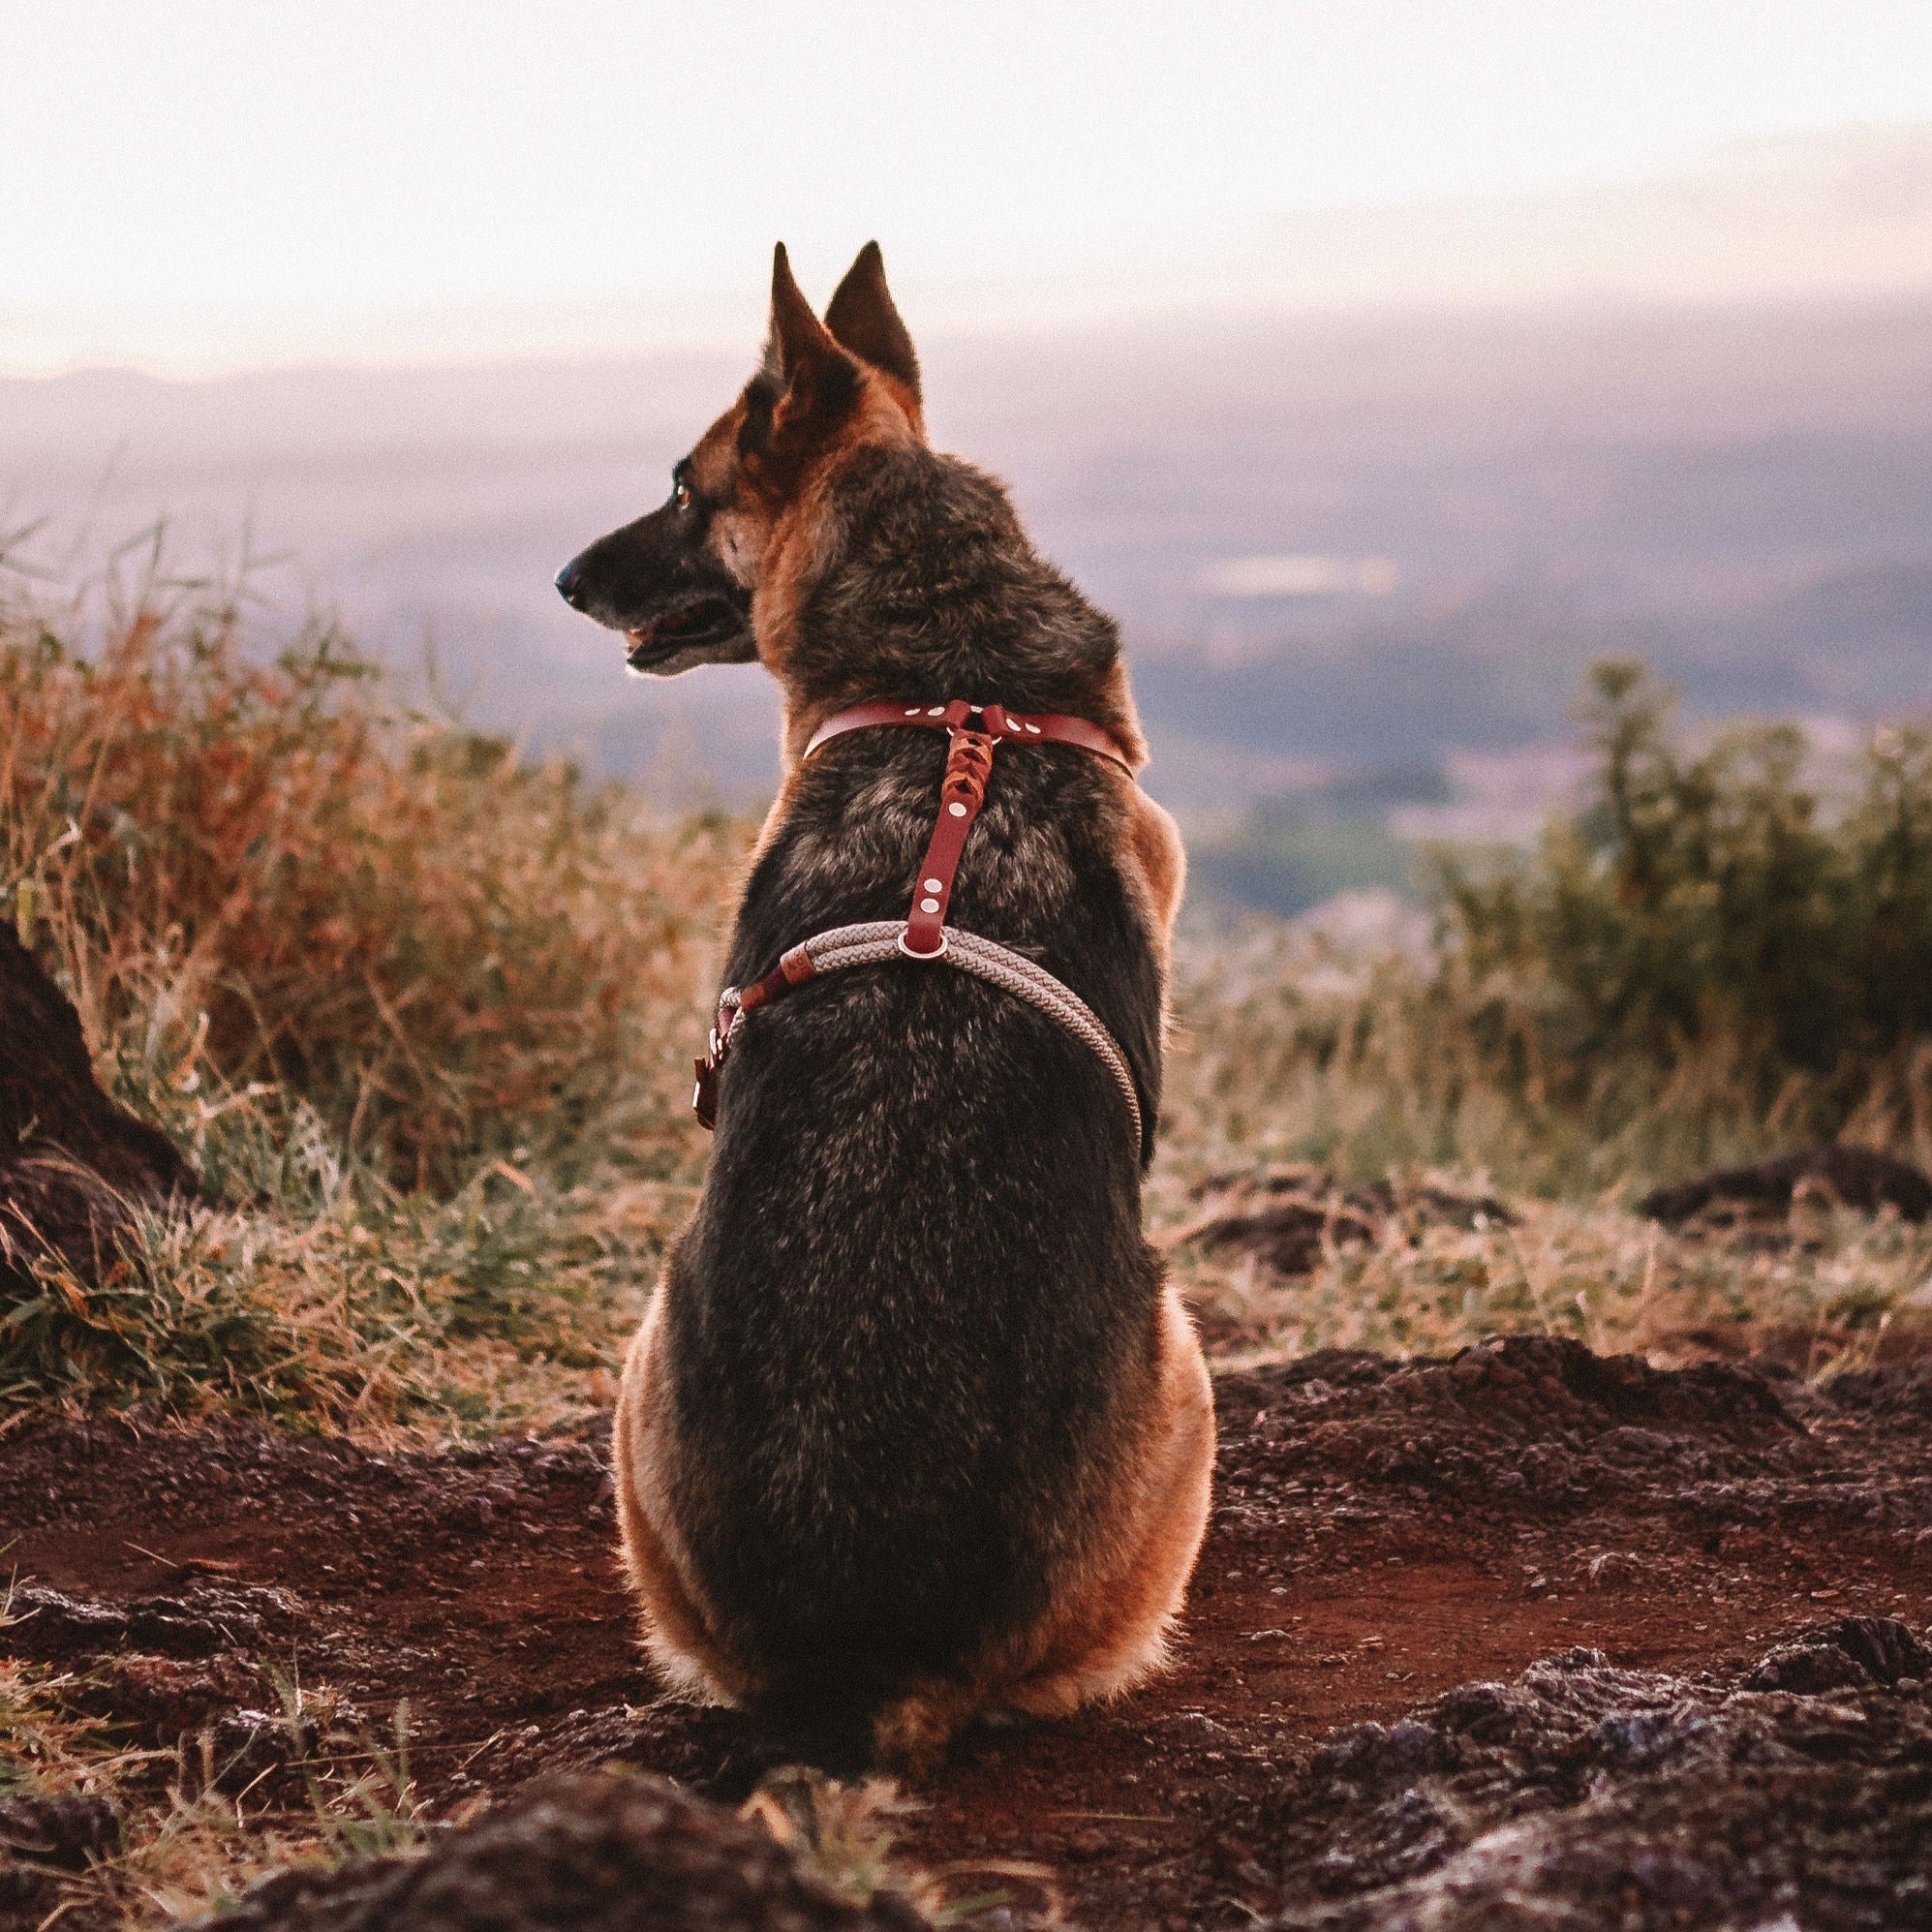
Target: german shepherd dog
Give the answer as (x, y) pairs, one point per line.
(915, 1429)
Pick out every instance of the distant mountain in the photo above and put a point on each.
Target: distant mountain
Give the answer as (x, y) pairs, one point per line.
(1337, 546)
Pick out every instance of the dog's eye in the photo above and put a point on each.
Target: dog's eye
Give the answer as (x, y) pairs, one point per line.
(681, 492)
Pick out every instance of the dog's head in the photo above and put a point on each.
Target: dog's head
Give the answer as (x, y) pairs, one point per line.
(680, 583)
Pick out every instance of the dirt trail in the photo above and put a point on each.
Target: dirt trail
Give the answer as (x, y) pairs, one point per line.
(1382, 1532)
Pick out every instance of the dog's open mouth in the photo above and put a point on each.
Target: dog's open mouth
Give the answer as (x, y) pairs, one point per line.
(685, 626)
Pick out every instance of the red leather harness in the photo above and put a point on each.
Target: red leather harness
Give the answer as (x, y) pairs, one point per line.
(963, 788)
(962, 794)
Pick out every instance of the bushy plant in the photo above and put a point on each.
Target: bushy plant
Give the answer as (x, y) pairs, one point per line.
(418, 1011)
(1726, 951)
(1712, 910)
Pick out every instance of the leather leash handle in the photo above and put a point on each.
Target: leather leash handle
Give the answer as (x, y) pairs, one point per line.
(962, 793)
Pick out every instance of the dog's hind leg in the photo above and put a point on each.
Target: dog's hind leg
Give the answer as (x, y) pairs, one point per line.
(1109, 1626)
(677, 1630)
(1109, 1629)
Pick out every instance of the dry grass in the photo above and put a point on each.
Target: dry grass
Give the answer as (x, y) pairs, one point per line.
(848, 1833)
(1850, 1290)
(254, 873)
(420, 1013)
(1286, 1050)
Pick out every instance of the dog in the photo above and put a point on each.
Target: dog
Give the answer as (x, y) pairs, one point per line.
(915, 1431)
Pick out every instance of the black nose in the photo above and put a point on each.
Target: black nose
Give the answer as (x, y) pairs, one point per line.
(570, 583)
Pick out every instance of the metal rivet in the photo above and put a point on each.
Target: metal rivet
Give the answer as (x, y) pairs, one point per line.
(1035, 729)
(958, 810)
(934, 886)
(936, 711)
(929, 905)
(912, 711)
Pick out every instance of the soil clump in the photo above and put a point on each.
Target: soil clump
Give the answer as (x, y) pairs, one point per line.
(1288, 1217)
(1831, 1177)
(583, 1852)
(1581, 1796)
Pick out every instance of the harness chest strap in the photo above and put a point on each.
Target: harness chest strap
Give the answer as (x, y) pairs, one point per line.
(925, 935)
(877, 940)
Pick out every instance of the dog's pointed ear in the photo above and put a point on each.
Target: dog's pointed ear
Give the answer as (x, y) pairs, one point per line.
(798, 338)
(819, 380)
(862, 317)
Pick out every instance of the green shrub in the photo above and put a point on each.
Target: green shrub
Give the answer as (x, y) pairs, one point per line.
(1718, 956)
(1711, 908)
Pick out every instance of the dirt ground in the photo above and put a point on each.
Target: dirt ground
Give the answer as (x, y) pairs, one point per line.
(1383, 1534)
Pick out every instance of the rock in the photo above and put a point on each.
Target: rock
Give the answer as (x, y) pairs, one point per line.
(41, 1837)
(1839, 1176)
(1612, 1570)
(583, 1852)
(1856, 1652)
(65, 1829)
(1288, 1237)
(71, 1160)
(198, 1620)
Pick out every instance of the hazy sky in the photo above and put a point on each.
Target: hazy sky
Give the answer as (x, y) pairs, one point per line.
(237, 163)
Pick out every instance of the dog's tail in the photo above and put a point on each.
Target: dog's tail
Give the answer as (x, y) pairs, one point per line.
(847, 1719)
